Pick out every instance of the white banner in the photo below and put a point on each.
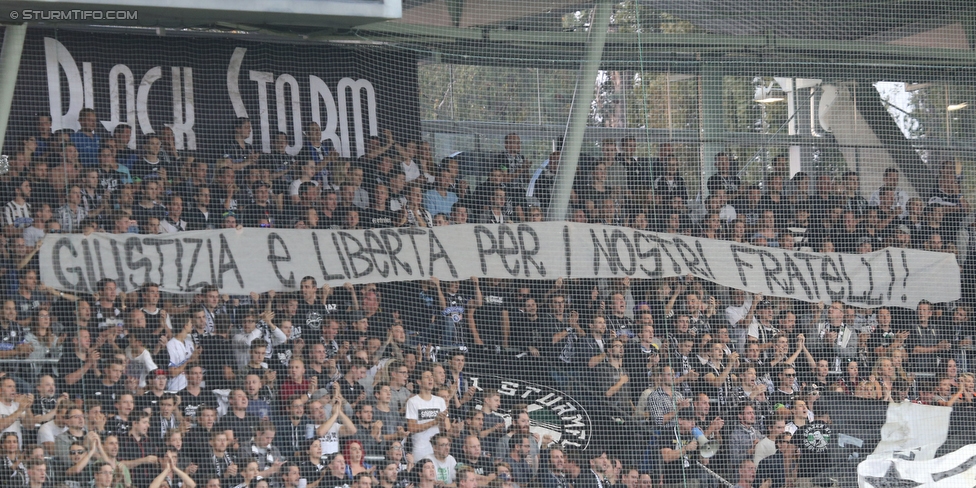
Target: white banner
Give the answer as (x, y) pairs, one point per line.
(256, 259)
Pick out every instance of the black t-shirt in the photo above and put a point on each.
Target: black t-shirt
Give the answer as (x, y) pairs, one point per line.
(57, 473)
(680, 469)
(481, 467)
(812, 440)
(110, 180)
(253, 214)
(635, 362)
(117, 426)
(143, 170)
(70, 362)
(280, 356)
(243, 427)
(153, 320)
(105, 394)
(926, 337)
(417, 306)
(351, 391)
(142, 214)
(488, 317)
(148, 400)
(191, 403)
(778, 397)
(525, 331)
(213, 359)
(377, 219)
(311, 472)
(310, 317)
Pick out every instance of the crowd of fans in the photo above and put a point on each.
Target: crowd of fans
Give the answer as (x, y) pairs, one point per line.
(372, 385)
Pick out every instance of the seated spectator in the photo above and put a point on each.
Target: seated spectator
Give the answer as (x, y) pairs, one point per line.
(174, 217)
(17, 212)
(440, 199)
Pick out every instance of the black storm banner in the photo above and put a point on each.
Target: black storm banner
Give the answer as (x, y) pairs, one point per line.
(198, 86)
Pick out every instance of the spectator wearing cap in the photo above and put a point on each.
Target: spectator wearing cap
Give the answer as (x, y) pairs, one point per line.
(156, 381)
(229, 220)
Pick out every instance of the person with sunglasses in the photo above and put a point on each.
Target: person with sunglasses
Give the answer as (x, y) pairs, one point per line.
(78, 468)
(786, 390)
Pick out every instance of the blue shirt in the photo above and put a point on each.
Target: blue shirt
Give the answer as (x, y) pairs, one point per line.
(87, 148)
(437, 204)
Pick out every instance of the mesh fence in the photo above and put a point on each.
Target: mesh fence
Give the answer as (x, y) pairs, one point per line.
(236, 259)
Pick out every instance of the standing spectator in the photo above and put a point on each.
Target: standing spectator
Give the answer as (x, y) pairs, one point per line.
(182, 351)
(426, 416)
(329, 424)
(73, 212)
(17, 212)
(138, 448)
(444, 462)
(85, 139)
(15, 410)
(238, 419)
(201, 216)
(928, 343)
(745, 436)
(838, 340)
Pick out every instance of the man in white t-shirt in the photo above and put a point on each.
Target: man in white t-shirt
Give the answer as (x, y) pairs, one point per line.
(14, 409)
(443, 460)
(52, 429)
(181, 352)
(426, 415)
(740, 315)
(330, 423)
(140, 359)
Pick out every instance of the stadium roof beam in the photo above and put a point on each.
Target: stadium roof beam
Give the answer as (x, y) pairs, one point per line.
(677, 52)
